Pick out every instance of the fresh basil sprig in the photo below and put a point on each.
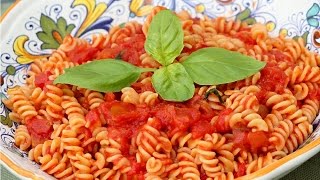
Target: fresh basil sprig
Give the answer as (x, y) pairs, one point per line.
(165, 37)
(209, 66)
(102, 75)
(173, 82)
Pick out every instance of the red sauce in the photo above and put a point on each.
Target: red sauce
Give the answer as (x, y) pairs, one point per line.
(174, 119)
(241, 139)
(137, 169)
(245, 36)
(142, 87)
(42, 79)
(278, 56)
(39, 129)
(200, 129)
(257, 140)
(197, 102)
(203, 176)
(247, 140)
(272, 78)
(314, 94)
(82, 55)
(222, 123)
(93, 118)
(123, 120)
(109, 97)
(262, 96)
(241, 170)
(129, 50)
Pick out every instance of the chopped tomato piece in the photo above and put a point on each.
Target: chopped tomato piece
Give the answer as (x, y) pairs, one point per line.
(42, 79)
(129, 50)
(82, 55)
(222, 123)
(174, 118)
(93, 119)
(279, 56)
(119, 113)
(273, 79)
(257, 140)
(263, 111)
(241, 139)
(201, 128)
(109, 97)
(123, 120)
(109, 53)
(39, 128)
(262, 96)
(241, 170)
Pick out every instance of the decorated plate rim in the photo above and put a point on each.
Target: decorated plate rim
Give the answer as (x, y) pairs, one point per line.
(305, 152)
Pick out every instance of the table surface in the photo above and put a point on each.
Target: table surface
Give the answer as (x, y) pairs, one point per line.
(310, 170)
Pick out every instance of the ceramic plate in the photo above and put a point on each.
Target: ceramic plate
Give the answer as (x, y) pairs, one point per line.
(20, 45)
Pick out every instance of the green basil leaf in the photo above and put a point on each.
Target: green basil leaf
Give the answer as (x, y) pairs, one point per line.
(173, 83)
(212, 66)
(165, 37)
(101, 75)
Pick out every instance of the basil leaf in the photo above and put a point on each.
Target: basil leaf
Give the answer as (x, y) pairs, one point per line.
(212, 66)
(101, 75)
(165, 37)
(173, 83)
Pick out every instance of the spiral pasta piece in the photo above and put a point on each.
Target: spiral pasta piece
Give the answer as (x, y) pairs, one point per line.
(54, 101)
(130, 95)
(115, 156)
(310, 109)
(259, 163)
(300, 133)
(21, 105)
(229, 27)
(304, 73)
(155, 169)
(74, 111)
(186, 162)
(239, 102)
(22, 137)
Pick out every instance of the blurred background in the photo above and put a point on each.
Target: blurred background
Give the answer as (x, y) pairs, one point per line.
(5, 4)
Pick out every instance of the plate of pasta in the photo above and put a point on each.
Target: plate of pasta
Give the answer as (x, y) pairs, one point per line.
(160, 89)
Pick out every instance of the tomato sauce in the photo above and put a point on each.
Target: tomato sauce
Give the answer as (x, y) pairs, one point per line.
(273, 78)
(278, 56)
(42, 79)
(314, 94)
(39, 129)
(123, 120)
(129, 50)
(262, 96)
(245, 36)
(137, 169)
(82, 55)
(247, 140)
(222, 123)
(241, 170)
